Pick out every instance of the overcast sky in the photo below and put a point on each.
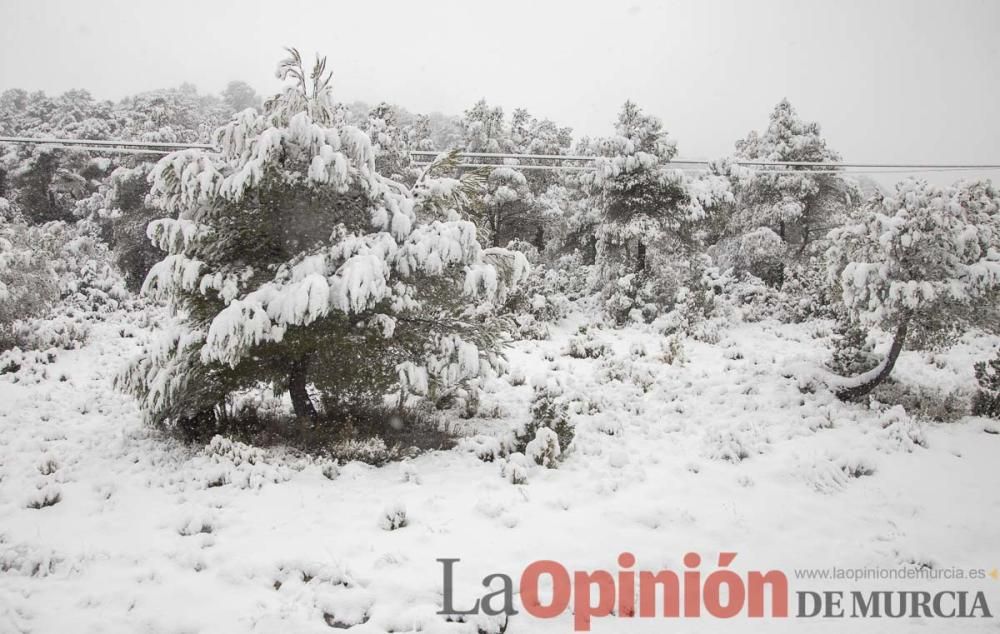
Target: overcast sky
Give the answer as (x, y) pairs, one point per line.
(888, 80)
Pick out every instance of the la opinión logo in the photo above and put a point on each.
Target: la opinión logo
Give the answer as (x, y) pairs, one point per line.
(722, 593)
(601, 593)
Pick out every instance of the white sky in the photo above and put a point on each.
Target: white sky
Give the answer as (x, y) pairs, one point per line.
(888, 80)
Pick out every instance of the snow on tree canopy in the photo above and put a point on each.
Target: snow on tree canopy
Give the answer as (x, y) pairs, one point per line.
(797, 204)
(649, 212)
(928, 254)
(287, 251)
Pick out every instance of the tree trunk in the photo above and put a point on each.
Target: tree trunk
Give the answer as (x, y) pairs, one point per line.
(640, 258)
(859, 391)
(297, 380)
(591, 255)
(495, 221)
(540, 239)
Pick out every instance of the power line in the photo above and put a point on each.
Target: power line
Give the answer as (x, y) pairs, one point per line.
(107, 149)
(153, 145)
(553, 161)
(586, 168)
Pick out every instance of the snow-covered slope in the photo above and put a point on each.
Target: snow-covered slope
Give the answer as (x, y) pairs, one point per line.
(725, 452)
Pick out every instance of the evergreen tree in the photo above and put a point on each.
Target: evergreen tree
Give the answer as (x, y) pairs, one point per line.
(987, 399)
(390, 143)
(511, 207)
(293, 263)
(778, 215)
(853, 354)
(240, 95)
(922, 264)
(649, 212)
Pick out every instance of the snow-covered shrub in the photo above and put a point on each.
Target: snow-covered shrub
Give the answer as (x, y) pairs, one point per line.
(371, 451)
(516, 376)
(544, 448)
(924, 402)
(486, 448)
(46, 495)
(238, 453)
(733, 445)
(27, 560)
(759, 252)
(806, 293)
(857, 467)
(87, 278)
(42, 190)
(536, 305)
(567, 276)
(700, 309)
(26, 366)
(636, 298)
(48, 465)
(550, 409)
(925, 261)
(899, 431)
(393, 517)
(853, 353)
(120, 209)
(295, 264)
(673, 350)
(53, 278)
(63, 330)
(330, 470)
(987, 399)
(586, 345)
(642, 376)
(612, 369)
(242, 466)
(755, 300)
(514, 468)
(197, 525)
(28, 285)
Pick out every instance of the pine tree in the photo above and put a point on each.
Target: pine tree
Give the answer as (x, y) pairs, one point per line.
(293, 263)
(923, 264)
(513, 207)
(853, 354)
(390, 143)
(987, 399)
(777, 216)
(648, 210)
(239, 95)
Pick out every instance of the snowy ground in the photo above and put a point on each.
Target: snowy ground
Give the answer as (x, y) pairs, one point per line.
(723, 453)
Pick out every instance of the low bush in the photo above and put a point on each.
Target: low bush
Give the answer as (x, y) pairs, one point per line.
(986, 402)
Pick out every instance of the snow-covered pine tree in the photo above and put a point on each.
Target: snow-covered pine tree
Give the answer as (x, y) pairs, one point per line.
(531, 135)
(390, 144)
(649, 210)
(125, 204)
(923, 262)
(986, 402)
(240, 95)
(511, 207)
(852, 352)
(777, 216)
(293, 264)
(507, 200)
